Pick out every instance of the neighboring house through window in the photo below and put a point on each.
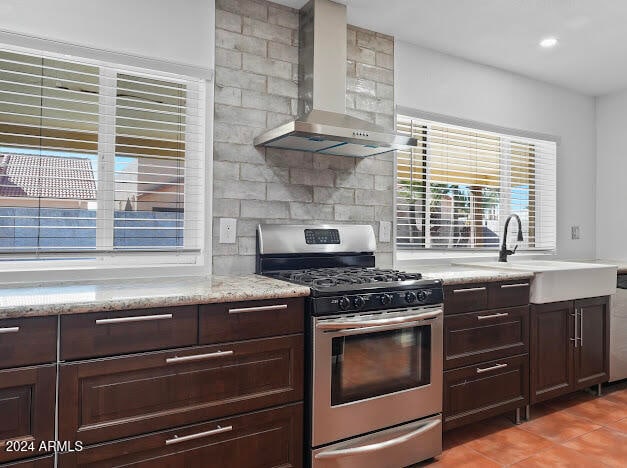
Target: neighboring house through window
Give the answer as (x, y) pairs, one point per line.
(96, 157)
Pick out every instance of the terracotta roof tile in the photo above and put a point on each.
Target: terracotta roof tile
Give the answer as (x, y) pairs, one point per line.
(23, 175)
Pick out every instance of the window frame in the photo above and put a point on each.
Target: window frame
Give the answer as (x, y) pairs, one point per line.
(405, 255)
(19, 267)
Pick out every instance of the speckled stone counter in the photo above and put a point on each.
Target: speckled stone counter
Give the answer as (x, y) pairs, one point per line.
(92, 296)
(450, 274)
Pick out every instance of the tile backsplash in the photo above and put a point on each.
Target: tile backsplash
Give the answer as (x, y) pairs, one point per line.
(256, 87)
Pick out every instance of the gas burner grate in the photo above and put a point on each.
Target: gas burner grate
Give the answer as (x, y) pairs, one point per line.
(328, 277)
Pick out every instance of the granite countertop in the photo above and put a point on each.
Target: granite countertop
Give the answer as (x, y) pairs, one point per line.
(453, 274)
(92, 296)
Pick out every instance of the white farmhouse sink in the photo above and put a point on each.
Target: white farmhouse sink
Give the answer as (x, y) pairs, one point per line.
(560, 281)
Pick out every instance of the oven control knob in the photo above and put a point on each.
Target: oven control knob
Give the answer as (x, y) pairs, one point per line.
(344, 303)
(422, 296)
(359, 302)
(385, 299)
(410, 297)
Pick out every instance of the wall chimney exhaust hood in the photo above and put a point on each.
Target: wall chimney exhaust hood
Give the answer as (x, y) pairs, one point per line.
(322, 125)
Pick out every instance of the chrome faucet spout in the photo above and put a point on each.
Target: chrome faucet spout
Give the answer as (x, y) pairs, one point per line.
(504, 252)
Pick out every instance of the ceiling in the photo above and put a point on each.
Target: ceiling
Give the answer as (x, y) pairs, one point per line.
(591, 56)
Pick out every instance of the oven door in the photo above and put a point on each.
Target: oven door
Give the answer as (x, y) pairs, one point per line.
(375, 370)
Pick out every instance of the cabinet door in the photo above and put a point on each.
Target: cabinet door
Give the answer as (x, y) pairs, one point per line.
(592, 351)
(26, 409)
(478, 392)
(264, 439)
(552, 350)
(108, 399)
(486, 335)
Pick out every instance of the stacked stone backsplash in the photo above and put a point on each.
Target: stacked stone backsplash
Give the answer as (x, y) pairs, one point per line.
(256, 88)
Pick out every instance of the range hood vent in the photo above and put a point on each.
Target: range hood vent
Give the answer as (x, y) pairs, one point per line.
(323, 125)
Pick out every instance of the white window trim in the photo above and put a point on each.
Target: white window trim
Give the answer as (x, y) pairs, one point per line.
(409, 259)
(120, 264)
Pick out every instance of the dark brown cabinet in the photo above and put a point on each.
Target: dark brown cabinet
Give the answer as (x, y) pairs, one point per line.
(569, 346)
(263, 439)
(195, 385)
(593, 350)
(28, 341)
(480, 336)
(27, 398)
(486, 350)
(478, 392)
(113, 398)
(552, 349)
(129, 331)
(246, 320)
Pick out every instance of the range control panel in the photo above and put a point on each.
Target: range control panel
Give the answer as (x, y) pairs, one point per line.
(322, 236)
(376, 301)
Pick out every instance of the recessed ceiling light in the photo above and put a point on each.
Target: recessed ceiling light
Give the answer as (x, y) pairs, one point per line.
(548, 42)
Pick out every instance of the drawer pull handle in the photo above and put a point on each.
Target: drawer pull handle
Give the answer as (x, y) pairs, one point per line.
(178, 440)
(198, 357)
(258, 309)
(492, 316)
(138, 318)
(518, 285)
(9, 330)
(467, 290)
(491, 368)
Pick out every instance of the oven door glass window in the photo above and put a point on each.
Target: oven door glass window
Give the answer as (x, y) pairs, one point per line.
(374, 364)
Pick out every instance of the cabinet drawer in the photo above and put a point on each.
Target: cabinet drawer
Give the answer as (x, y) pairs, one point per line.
(28, 341)
(44, 462)
(508, 294)
(485, 335)
(477, 392)
(245, 320)
(465, 298)
(264, 439)
(128, 331)
(26, 408)
(112, 398)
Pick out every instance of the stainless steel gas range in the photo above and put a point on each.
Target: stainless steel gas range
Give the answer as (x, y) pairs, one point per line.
(374, 352)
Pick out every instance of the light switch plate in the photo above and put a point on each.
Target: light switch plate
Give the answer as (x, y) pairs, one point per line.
(228, 228)
(385, 231)
(574, 233)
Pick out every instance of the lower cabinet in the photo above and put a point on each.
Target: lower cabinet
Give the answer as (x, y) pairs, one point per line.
(483, 390)
(263, 439)
(569, 346)
(27, 400)
(109, 399)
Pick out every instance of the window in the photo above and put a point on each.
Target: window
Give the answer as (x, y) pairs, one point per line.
(98, 158)
(457, 187)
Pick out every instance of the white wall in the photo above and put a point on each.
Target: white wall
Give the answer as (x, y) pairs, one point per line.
(171, 30)
(611, 176)
(433, 82)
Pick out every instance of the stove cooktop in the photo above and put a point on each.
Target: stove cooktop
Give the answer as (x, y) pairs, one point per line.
(333, 281)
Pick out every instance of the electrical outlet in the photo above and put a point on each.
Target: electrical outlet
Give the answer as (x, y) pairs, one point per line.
(574, 232)
(228, 228)
(385, 231)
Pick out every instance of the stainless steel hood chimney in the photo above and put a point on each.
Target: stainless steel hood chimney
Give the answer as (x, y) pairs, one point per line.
(322, 124)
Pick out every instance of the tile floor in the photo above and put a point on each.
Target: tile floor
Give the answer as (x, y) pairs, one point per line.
(578, 430)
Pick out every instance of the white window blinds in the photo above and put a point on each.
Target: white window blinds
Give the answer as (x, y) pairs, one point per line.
(95, 157)
(457, 187)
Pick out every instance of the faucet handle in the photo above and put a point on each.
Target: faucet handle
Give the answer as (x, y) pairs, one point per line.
(514, 251)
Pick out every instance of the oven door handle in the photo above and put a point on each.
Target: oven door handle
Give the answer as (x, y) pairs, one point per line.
(364, 449)
(378, 323)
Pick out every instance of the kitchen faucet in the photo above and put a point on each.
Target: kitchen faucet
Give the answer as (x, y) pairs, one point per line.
(504, 252)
